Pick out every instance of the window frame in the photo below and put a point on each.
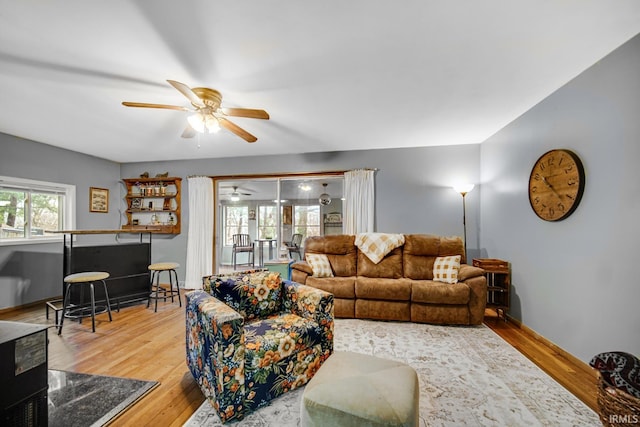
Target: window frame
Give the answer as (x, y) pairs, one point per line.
(68, 217)
(224, 224)
(261, 219)
(294, 225)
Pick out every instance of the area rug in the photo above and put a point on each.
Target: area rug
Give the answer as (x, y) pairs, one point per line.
(81, 400)
(469, 376)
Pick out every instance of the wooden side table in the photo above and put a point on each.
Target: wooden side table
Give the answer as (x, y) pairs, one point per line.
(498, 275)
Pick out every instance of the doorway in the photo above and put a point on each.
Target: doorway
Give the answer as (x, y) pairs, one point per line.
(275, 211)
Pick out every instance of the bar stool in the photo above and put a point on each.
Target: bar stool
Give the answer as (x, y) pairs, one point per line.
(79, 311)
(156, 289)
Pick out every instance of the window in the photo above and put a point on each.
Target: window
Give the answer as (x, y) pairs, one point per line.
(267, 221)
(306, 220)
(31, 211)
(236, 221)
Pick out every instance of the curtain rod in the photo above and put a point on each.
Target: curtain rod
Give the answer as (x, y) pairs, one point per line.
(282, 174)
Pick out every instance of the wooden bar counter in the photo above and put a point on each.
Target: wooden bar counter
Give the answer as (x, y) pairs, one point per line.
(126, 262)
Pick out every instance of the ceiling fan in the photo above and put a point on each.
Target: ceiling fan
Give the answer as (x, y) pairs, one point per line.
(235, 195)
(208, 115)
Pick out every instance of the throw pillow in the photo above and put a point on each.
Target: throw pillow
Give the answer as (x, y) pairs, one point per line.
(446, 268)
(320, 265)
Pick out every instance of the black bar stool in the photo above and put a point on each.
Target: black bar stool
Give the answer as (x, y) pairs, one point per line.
(78, 311)
(159, 292)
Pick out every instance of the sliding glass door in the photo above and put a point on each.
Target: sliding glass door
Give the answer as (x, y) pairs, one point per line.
(275, 212)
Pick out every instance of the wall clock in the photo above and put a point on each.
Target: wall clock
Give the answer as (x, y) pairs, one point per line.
(556, 184)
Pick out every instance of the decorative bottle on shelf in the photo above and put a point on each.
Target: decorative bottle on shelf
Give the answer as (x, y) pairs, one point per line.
(172, 220)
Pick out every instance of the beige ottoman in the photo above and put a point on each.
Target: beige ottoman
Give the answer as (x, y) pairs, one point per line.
(353, 389)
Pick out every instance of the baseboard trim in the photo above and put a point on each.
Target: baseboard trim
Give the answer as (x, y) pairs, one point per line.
(553, 346)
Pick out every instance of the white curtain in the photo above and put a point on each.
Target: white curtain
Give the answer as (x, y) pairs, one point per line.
(359, 201)
(200, 237)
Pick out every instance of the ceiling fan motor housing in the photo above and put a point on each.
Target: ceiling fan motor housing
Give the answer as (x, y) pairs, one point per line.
(211, 97)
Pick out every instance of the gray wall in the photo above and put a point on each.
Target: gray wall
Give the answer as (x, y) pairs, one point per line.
(575, 280)
(413, 187)
(33, 272)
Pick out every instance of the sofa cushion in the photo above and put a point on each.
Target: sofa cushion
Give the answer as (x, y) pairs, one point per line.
(383, 289)
(376, 245)
(254, 295)
(340, 287)
(445, 269)
(340, 251)
(430, 292)
(390, 267)
(421, 250)
(319, 265)
(273, 338)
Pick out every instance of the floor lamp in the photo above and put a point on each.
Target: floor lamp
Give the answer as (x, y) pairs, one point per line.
(463, 189)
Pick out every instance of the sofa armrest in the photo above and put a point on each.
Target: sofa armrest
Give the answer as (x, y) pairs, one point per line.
(215, 342)
(313, 304)
(477, 296)
(300, 271)
(468, 271)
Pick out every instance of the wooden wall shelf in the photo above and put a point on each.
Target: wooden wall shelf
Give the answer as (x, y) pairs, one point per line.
(153, 205)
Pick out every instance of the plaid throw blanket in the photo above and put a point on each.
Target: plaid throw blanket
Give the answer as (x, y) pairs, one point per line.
(376, 245)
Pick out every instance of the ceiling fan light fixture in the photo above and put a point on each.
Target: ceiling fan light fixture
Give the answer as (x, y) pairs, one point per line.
(204, 123)
(235, 197)
(212, 124)
(304, 186)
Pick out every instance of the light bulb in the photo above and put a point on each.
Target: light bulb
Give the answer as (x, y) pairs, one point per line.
(196, 122)
(212, 124)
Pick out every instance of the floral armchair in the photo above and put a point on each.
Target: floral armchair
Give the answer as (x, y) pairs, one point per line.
(252, 337)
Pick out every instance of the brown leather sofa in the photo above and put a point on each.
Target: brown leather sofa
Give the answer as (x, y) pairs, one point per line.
(400, 286)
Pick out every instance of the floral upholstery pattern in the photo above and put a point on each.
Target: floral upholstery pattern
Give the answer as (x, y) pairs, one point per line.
(253, 337)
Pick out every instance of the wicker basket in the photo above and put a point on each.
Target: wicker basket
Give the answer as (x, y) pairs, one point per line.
(617, 407)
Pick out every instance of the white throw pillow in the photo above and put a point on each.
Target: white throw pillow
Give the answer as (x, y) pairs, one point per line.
(446, 268)
(320, 265)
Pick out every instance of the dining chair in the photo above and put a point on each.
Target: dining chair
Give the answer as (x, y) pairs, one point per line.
(242, 243)
(294, 246)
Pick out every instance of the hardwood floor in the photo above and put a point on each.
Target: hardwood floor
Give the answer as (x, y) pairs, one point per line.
(151, 346)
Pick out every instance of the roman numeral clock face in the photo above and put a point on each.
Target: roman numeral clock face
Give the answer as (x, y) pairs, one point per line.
(556, 185)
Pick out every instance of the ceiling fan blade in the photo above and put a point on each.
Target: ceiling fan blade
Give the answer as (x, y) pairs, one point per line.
(186, 91)
(246, 112)
(188, 132)
(230, 126)
(145, 105)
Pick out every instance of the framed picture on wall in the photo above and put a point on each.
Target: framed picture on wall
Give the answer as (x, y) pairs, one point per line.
(286, 215)
(98, 200)
(252, 214)
(333, 218)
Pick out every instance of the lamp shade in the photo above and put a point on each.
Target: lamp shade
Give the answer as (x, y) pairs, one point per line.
(204, 123)
(463, 188)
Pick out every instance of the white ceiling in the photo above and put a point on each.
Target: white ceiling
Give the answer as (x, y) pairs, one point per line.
(333, 75)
